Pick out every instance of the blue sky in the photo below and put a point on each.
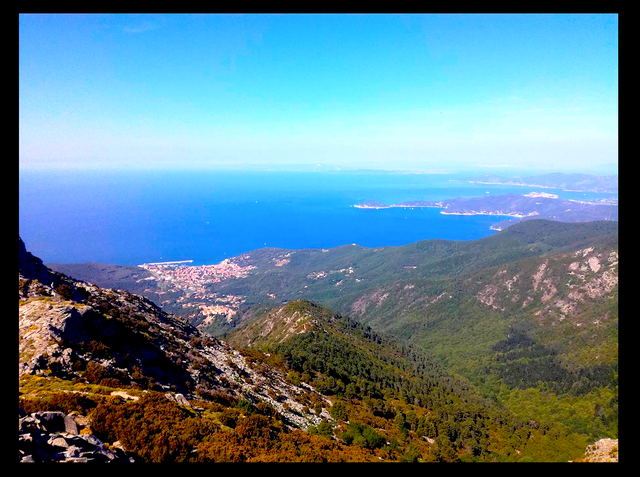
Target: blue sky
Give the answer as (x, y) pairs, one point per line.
(416, 92)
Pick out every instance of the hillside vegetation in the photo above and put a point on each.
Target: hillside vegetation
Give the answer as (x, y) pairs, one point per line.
(317, 387)
(506, 346)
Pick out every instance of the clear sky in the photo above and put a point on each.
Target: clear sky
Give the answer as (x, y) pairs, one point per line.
(418, 92)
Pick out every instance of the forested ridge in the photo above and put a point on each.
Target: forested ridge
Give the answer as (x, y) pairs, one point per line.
(500, 349)
(414, 400)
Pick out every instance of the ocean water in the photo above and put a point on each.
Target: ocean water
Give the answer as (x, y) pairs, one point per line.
(130, 218)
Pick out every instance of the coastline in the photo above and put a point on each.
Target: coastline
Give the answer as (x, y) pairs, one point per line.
(522, 184)
(398, 206)
(503, 214)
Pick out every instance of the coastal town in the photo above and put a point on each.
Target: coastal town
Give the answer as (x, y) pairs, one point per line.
(185, 288)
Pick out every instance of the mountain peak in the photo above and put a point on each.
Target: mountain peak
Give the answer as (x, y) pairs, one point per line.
(31, 267)
(279, 324)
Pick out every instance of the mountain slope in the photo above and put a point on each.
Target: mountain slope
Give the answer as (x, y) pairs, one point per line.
(396, 387)
(118, 339)
(529, 314)
(336, 277)
(164, 391)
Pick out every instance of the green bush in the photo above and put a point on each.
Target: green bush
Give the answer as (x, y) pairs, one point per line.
(364, 436)
(339, 411)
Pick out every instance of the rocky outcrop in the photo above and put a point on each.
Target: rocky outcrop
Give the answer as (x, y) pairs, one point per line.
(604, 450)
(115, 338)
(48, 437)
(558, 287)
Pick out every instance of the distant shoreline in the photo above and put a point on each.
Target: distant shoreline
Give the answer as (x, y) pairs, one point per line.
(540, 205)
(502, 214)
(166, 263)
(561, 181)
(397, 206)
(522, 184)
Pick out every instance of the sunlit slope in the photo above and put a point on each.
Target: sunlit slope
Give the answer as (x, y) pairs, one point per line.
(383, 383)
(328, 276)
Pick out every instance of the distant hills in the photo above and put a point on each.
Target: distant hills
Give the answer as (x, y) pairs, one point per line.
(521, 207)
(568, 182)
(124, 380)
(500, 349)
(527, 206)
(529, 310)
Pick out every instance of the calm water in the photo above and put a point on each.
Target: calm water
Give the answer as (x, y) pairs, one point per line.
(132, 218)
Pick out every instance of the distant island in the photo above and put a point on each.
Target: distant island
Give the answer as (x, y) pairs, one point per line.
(372, 204)
(537, 205)
(566, 182)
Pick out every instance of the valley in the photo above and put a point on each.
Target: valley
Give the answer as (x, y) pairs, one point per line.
(413, 353)
(528, 316)
(318, 238)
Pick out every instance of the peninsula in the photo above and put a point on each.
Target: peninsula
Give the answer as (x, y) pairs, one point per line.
(519, 207)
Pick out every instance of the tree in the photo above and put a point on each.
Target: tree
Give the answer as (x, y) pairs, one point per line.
(411, 455)
(339, 411)
(400, 422)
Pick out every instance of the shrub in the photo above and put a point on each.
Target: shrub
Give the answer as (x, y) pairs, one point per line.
(363, 435)
(95, 373)
(153, 428)
(253, 427)
(325, 429)
(65, 291)
(229, 417)
(58, 401)
(339, 411)
(294, 378)
(246, 406)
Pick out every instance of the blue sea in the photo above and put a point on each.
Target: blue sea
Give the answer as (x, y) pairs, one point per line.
(130, 218)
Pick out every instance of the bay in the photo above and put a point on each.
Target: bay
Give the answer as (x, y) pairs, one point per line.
(130, 218)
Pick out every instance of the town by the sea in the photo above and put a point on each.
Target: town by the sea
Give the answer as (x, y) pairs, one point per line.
(132, 218)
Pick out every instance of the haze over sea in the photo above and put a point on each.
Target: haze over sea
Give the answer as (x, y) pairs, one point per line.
(130, 218)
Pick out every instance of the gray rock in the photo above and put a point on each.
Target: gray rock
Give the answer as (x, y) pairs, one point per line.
(180, 399)
(72, 451)
(67, 357)
(91, 439)
(27, 424)
(77, 459)
(37, 443)
(105, 451)
(70, 425)
(57, 441)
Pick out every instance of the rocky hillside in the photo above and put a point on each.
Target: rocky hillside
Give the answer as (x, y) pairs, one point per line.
(568, 301)
(529, 316)
(74, 330)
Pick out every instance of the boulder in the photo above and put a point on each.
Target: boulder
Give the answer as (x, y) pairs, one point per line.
(53, 437)
(180, 399)
(57, 441)
(70, 425)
